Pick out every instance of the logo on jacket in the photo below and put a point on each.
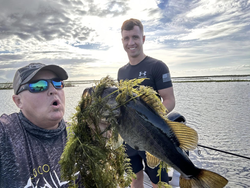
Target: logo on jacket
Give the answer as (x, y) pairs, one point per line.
(142, 74)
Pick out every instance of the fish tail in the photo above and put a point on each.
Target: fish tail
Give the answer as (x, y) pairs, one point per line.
(205, 179)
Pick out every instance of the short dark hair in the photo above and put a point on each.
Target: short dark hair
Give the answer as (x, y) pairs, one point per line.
(129, 24)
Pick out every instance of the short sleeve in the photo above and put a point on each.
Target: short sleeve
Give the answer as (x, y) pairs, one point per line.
(162, 76)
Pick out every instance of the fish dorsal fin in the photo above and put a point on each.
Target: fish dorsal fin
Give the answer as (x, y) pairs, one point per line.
(152, 161)
(187, 137)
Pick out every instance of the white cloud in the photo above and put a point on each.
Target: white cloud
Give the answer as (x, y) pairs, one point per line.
(84, 36)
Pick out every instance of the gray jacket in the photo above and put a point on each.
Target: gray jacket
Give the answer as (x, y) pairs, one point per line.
(29, 155)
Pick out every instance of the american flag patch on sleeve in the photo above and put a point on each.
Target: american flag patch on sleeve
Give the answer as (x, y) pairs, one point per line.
(166, 77)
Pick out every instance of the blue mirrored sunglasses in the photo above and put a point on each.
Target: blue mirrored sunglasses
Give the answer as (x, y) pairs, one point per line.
(41, 85)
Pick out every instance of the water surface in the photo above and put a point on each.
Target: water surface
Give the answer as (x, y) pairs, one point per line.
(218, 111)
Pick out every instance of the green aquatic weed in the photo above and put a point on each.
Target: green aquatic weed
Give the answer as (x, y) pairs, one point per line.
(90, 154)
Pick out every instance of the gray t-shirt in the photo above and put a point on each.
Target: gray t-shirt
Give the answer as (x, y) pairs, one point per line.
(29, 155)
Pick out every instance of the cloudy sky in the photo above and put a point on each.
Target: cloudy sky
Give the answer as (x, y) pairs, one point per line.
(193, 37)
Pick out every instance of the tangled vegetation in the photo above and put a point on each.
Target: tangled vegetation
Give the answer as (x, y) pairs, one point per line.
(92, 155)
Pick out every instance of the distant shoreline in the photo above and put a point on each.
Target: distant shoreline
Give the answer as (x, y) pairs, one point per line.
(183, 81)
(241, 75)
(187, 79)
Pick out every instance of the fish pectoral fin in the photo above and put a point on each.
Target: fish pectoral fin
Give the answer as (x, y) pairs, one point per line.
(152, 161)
(187, 137)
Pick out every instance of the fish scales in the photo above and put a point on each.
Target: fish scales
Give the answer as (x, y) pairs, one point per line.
(143, 129)
(147, 136)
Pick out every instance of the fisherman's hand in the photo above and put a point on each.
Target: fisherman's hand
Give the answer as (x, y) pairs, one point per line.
(104, 129)
(103, 125)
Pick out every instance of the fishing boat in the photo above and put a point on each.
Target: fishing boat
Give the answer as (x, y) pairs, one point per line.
(147, 182)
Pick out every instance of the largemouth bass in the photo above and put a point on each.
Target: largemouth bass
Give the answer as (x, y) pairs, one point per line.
(145, 129)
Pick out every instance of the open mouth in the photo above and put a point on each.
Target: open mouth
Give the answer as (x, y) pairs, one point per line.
(55, 103)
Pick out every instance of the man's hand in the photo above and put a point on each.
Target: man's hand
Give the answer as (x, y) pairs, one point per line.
(103, 125)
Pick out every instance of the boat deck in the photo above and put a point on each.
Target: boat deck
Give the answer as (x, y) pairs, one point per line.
(147, 182)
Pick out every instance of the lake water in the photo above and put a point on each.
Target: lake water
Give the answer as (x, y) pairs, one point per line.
(218, 111)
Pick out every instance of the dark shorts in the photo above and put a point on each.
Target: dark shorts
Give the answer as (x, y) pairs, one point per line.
(136, 158)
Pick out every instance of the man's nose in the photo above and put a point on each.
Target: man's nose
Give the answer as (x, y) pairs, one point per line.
(52, 90)
(131, 41)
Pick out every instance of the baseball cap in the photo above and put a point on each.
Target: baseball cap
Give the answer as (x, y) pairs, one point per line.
(25, 74)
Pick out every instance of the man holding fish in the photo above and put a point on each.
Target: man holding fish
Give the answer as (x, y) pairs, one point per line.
(32, 140)
(146, 128)
(158, 77)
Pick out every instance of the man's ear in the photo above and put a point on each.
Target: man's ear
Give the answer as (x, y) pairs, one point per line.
(143, 38)
(17, 100)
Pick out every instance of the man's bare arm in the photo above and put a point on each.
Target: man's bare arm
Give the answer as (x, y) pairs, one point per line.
(168, 98)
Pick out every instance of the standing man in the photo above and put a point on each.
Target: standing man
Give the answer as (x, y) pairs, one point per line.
(142, 66)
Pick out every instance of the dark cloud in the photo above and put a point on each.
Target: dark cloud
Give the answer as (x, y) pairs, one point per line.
(172, 9)
(8, 57)
(50, 21)
(69, 62)
(61, 32)
(49, 52)
(225, 20)
(8, 69)
(43, 26)
(113, 8)
(172, 14)
(93, 46)
(13, 62)
(162, 3)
